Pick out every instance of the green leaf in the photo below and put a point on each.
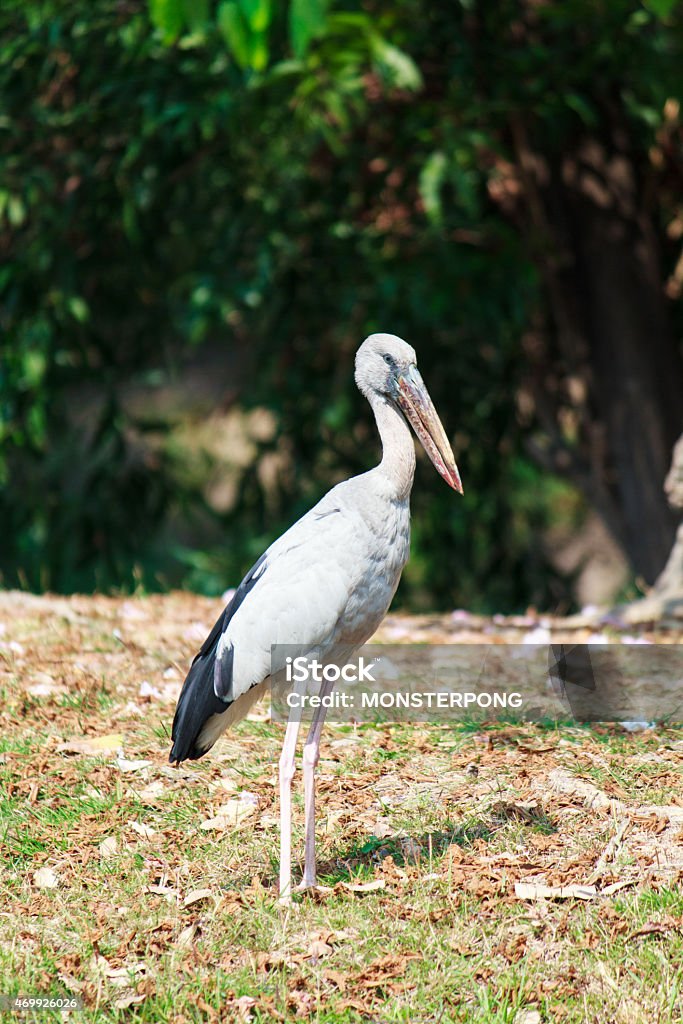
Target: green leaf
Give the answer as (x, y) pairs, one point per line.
(257, 13)
(401, 69)
(78, 308)
(16, 211)
(285, 68)
(579, 105)
(258, 56)
(235, 31)
(196, 14)
(169, 17)
(431, 179)
(661, 8)
(35, 365)
(307, 19)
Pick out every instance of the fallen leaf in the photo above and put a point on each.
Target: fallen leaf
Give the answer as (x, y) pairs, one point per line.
(232, 813)
(244, 1005)
(318, 949)
(152, 792)
(336, 978)
(534, 891)
(363, 887)
(353, 1004)
(127, 999)
(668, 924)
(43, 685)
(45, 878)
(616, 886)
(462, 949)
(163, 890)
(186, 937)
(131, 766)
(225, 783)
(122, 974)
(376, 974)
(73, 984)
(275, 959)
(584, 792)
(196, 896)
(334, 938)
(92, 744)
(527, 1017)
(108, 847)
(142, 830)
(672, 812)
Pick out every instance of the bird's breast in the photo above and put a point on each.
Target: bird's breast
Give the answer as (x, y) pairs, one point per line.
(385, 540)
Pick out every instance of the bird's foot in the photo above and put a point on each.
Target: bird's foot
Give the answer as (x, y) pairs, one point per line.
(306, 883)
(289, 905)
(314, 888)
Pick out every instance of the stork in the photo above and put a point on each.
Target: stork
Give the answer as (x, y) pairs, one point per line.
(324, 585)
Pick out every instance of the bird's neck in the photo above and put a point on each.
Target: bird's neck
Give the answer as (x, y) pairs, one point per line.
(398, 448)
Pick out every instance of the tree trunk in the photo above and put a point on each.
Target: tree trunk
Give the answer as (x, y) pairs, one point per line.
(616, 352)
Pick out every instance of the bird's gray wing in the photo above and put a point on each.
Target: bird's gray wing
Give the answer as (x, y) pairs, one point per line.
(296, 594)
(302, 590)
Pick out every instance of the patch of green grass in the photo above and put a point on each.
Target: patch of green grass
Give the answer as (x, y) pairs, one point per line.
(14, 743)
(85, 700)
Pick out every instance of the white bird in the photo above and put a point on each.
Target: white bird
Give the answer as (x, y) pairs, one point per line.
(324, 586)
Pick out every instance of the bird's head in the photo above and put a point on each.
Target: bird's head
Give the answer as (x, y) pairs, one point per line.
(387, 366)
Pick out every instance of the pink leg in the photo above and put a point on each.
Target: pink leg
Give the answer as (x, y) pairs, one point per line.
(310, 759)
(287, 768)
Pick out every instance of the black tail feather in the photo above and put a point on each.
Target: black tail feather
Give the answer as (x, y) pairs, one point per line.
(197, 702)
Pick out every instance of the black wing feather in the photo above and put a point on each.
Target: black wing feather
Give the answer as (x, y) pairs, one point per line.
(198, 701)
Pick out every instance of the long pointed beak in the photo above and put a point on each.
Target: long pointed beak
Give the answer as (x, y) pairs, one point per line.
(418, 408)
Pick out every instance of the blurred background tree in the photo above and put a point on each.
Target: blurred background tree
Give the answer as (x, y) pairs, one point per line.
(206, 207)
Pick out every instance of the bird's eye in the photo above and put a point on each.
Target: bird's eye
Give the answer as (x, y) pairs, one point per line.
(388, 360)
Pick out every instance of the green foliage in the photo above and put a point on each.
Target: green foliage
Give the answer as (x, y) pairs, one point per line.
(169, 17)
(274, 182)
(307, 19)
(244, 24)
(244, 27)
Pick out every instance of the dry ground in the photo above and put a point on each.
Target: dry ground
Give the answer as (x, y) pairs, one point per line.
(149, 892)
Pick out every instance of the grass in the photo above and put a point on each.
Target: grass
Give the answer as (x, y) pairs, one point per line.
(153, 918)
